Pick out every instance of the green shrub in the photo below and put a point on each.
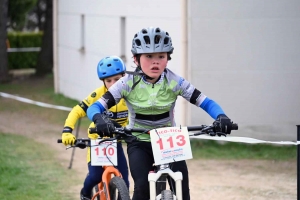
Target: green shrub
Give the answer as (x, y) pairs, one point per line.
(21, 60)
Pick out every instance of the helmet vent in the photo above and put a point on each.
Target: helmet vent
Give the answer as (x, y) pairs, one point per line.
(135, 35)
(101, 64)
(144, 31)
(116, 60)
(167, 33)
(138, 42)
(166, 40)
(147, 39)
(157, 30)
(157, 39)
(109, 65)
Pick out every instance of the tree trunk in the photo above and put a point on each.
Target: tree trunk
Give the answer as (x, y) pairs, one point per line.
(4, 76)
(45, 58)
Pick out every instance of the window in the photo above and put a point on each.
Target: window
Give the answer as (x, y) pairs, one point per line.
(123, 39)
(82, 27)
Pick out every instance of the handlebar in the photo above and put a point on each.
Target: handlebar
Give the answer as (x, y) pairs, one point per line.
(85, 142)
(204, 129)
(123, 133)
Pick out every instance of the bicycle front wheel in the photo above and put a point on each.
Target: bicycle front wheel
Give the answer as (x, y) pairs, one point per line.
(118, 189)
(167, 195)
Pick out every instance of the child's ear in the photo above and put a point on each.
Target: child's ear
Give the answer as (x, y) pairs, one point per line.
(135, 60)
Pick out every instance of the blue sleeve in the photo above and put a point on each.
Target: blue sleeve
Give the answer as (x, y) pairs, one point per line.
(95, 108)
(211, 107)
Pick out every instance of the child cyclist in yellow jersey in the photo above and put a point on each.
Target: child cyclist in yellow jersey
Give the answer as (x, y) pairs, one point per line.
(110, 70)
(150, 94)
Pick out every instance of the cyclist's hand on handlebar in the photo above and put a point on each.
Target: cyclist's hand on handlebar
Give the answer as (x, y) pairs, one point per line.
(67, 137)
(104, 126)
(93, 136)
(116, 124)
(222, 124)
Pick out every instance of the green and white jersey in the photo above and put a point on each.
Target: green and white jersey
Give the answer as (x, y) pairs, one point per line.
(151, 105)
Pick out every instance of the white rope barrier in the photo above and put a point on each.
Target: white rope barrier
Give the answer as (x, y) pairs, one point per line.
(41, 104)
(243, 140)
(228, 138)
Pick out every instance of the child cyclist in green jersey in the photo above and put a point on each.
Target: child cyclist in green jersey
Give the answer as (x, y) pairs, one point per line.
(110, 70)
(150, 94)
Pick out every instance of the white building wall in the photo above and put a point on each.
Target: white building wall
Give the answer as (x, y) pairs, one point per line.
(242, 54)
(245, 55)
(76, 69)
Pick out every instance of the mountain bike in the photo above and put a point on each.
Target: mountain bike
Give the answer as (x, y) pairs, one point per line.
(170, 144)
(112, 186)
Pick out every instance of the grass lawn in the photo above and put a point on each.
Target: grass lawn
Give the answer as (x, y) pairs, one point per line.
(29, 171)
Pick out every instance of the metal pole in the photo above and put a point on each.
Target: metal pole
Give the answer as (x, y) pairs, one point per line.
(298, 164)
(184, 56)
(73, 151)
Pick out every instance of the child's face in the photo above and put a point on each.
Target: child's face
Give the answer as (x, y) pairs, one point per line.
(153, 64)
(108, 82)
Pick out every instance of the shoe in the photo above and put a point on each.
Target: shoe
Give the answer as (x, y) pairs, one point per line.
(84, 196)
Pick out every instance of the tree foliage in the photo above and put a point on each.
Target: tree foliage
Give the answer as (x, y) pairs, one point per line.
(17, 12)
(45, 59)
(4, 77)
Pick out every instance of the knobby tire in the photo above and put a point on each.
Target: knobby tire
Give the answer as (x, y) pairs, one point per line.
(118, 189)
(167, 195)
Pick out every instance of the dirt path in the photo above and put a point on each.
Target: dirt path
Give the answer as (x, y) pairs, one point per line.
(209, 179)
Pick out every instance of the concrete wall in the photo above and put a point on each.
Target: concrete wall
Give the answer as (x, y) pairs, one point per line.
(246, 55)
(102, 35)
(243, 54)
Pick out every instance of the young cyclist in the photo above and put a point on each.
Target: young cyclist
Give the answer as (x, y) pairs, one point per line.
(150, 94)
(110, 70)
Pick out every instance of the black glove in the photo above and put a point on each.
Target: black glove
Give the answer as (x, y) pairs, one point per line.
(116, 124)
(104, 126)
(222, 124)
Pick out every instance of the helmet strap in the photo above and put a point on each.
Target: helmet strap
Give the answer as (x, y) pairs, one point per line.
(104, 84)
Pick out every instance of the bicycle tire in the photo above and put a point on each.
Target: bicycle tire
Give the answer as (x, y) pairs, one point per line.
(118, 189)
(167, 195)
(161, 184)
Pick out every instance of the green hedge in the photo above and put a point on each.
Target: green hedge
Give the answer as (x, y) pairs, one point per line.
(21, 60)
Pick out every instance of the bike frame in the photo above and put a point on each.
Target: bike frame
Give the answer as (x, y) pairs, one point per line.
(108, 173)
(164, 170)
(103, 191)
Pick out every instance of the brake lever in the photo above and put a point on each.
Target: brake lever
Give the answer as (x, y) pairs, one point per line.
(221, 134)
(212, 133)
(68, 147)
(81, 145)
(198, 133)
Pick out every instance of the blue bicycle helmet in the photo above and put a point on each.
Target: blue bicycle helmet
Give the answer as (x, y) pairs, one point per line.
(110, 66)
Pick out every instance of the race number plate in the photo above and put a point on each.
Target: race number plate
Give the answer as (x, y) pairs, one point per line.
(104, 154)
(170, 144)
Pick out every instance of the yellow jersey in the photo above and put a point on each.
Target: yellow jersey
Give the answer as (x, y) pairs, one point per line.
(118, 113)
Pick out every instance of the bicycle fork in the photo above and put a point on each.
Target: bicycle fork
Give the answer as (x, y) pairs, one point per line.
(103, 185)
(154, 176)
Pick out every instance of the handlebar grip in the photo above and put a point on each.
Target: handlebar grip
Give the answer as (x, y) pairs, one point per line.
(59, 140)
(92, 130)
(234, 127)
